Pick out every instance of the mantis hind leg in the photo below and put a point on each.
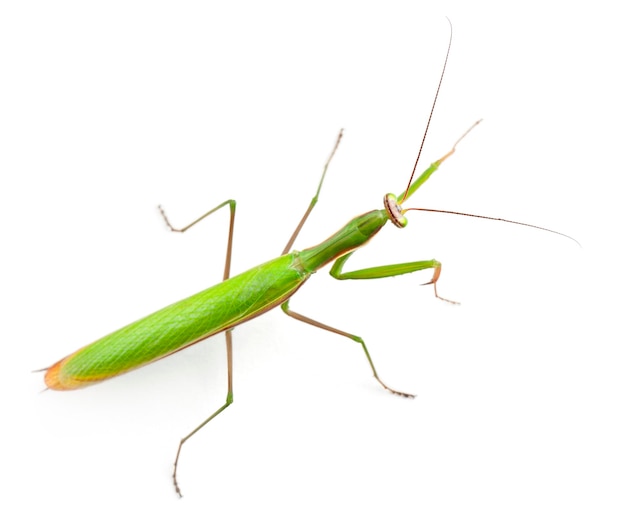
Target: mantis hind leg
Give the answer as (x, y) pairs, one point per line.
(355, 338)
(229, 400)
(229, 338)
(231, 228)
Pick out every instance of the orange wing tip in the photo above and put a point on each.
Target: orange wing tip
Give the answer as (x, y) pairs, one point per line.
(55, 380)
(53, 377)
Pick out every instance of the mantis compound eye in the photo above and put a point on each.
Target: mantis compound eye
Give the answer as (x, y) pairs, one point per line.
(394, 211)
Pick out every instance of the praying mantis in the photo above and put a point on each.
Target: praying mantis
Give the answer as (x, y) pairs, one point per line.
(240, 298)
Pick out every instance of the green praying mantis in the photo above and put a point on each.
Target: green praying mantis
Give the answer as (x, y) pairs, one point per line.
(245, 296)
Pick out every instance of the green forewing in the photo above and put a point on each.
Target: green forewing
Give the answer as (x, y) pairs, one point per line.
(178, 325)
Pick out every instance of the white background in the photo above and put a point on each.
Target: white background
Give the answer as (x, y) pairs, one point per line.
(109, 109)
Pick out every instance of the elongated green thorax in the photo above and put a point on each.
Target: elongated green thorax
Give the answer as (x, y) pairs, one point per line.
(354, 234)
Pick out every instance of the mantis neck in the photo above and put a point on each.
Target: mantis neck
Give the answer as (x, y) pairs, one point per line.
(353, 235)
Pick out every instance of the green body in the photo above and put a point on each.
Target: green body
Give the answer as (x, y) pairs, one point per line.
(241, 298)
(209, 312)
